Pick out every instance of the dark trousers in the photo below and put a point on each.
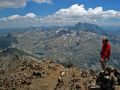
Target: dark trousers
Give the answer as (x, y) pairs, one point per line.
(103, 64)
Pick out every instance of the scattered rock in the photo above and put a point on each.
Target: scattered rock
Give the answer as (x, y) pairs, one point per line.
(32, 75)
(39, 74)
(78, 87)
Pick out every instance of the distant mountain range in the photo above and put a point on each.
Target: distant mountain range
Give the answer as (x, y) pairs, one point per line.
(79, 44)
(88, 27)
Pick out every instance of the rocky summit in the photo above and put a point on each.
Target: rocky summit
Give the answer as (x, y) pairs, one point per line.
(48, 75)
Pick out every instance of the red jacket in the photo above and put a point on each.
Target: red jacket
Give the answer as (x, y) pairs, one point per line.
(105, 52)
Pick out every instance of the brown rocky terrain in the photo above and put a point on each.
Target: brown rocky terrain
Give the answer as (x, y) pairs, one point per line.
(45, 75)
(21, 71)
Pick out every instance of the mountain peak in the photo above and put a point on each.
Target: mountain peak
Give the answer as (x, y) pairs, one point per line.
(89, 27)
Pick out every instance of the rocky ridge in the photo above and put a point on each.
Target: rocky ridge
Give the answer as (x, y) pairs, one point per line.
(47, 75)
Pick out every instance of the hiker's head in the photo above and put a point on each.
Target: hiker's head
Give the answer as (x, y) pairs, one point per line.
(104, 40)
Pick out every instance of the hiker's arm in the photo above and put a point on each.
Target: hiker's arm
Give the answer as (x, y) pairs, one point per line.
(109, 52)
(101, 51)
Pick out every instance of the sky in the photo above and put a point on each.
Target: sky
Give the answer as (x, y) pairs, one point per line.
(36, 13)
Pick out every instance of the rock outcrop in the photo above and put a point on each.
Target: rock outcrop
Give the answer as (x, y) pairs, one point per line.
(47, 75)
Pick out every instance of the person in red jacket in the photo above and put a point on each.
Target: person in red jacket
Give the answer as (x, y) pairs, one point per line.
(105, 52)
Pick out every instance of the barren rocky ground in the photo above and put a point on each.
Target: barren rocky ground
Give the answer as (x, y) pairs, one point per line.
(46, 75)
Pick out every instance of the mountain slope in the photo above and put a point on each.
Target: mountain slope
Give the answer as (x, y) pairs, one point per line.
(46, 75)
(35, 75)
(11, 56)
(89, 27)
(61, 45)
(79, 44)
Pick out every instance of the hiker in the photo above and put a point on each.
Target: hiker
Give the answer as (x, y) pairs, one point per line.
(105, 52)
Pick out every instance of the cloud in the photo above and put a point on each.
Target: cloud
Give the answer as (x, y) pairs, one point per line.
(69, 16)
(73, 10)
(14, 17)
(19, 3)
(12, 3)
(30, 15)
(78, 13)
(42, 1)
(28, 20)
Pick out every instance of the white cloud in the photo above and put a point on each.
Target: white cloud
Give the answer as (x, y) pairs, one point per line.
(73, 10)
(19, 3)
(12, 3)
(77, 13)
(80, 11)
(42, 1)
(30, 15)
(14, 17)
(27, 20)
(69, 16)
